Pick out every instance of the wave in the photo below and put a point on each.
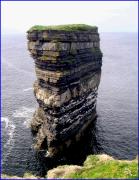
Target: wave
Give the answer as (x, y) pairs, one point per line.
(5, 120)
(10, 131)
(26, 113)
(27, 89)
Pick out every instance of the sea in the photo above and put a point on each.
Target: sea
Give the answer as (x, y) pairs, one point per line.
(115, 130)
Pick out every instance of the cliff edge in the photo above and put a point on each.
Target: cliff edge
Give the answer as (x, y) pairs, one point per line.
(97, 166)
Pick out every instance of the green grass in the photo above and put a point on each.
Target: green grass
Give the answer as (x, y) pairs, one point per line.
(67, 27)
(96, 166)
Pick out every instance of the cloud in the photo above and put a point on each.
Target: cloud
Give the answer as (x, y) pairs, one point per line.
(20, 16)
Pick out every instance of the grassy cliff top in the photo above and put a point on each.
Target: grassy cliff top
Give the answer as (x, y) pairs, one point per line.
(97, 167)
(67, 27)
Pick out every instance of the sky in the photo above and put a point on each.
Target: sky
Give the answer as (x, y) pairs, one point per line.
(18, 17)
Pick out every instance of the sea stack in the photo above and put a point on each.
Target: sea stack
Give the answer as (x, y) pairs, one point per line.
(68, 64)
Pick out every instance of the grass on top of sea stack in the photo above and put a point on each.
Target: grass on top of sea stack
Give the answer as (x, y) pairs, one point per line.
(66, 27)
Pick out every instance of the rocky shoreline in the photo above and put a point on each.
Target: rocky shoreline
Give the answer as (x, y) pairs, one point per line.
(68, 64)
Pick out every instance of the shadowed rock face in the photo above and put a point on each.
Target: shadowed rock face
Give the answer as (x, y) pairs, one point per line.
(68, 70)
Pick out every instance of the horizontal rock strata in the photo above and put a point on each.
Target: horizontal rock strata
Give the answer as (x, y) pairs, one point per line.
(68, 71)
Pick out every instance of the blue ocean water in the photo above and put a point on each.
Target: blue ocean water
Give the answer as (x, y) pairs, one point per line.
(115, 131)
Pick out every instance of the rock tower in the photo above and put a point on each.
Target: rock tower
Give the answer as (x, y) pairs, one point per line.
(68, 69)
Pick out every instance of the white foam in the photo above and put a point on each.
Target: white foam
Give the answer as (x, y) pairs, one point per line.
(10, 130)
(27, 89)
(26, 113)
(27, 122)
(5, 120)
(23, 112)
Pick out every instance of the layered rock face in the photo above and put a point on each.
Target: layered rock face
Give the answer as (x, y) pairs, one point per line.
(68, 69)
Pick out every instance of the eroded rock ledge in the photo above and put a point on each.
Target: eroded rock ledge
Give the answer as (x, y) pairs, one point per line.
(68, 68)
